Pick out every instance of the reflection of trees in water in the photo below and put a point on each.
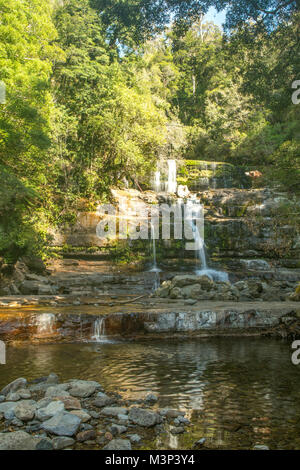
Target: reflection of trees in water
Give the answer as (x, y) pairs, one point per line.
(231, 381)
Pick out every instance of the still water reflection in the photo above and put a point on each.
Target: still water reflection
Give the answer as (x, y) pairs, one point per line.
(238, 392)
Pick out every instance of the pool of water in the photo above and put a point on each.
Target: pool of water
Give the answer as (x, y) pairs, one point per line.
(238, 392)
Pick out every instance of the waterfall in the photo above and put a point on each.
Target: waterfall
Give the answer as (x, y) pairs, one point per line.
(157, 184)
(45, 324)
(99, 331)
(155, 269)
(172, 177)
(193, 211)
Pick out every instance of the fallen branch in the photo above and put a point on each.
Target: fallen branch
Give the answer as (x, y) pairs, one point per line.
(122, 302)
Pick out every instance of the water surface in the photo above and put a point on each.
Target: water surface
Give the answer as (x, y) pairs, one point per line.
(238, 392)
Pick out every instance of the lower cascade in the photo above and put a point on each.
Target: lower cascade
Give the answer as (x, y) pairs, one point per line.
(45, 324)
(99, 331)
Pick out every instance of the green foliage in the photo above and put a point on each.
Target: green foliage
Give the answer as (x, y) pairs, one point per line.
(96, 96)
(123, 253)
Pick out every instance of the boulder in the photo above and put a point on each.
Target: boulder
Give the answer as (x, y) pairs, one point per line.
(135, 438)
(88, 435)
(18, 440)
(118, 444)
(62, 424)
(13, 396)
(44, 444)
(52, 379)
(151, 399)
(103, 400)
(14, 386)
(57, 391)
(113, 411)
(55, 407)
(25, 411)
(30, 287)
(144, 418)
(62, 442)
(83, 388)
(45, 289)
(83, 415)
(116, 429)
(71, 403)
(8, 408)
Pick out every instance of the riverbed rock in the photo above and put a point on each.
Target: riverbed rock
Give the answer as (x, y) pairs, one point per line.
(14, 386)
(142, 417)
(62, 424)
(30, 287)
(83, 415)
(83, 388)
(113, 411)
(57, 391)
(53, 408)
(62, 442)
(52, 379)
(25, 411)
(88, 435)
(103, 400)
(260, 447)
(151, 399)
(18, 440)
(13, 396)
(135, 438)
(25, 394)
(71, 403)
(44, 444)
(116, 429)
(177, 430)
(118, 444)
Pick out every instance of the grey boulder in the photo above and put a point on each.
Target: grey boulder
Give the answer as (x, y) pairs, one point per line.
(14, 386)
(103, 400)
(118, 444)
(25, 411)
(144, 418)
(83, 388)
(18, 440)
(62, 442)
(55, 407)
(62, 424)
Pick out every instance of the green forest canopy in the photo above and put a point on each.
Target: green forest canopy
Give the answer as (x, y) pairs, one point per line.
(99, 90)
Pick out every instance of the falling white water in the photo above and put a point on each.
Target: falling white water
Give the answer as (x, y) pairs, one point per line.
(172, 177)
(154, 269)
(45, 323)
(157, 184)
(193, 213)
(99, 333)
